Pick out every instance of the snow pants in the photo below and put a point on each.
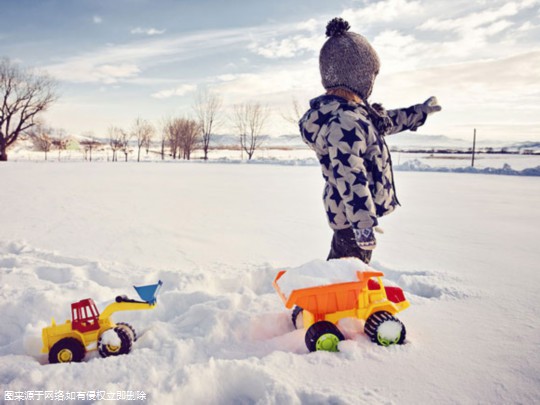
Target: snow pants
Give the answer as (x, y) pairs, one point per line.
(344, 245)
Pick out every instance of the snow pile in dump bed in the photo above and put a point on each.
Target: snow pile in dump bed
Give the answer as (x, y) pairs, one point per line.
(319, 273)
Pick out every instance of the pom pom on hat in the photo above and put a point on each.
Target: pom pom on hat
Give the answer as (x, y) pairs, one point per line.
(337, 26)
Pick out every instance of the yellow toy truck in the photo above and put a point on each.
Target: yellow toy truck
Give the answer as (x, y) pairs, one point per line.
(366, 299)
(89, 330)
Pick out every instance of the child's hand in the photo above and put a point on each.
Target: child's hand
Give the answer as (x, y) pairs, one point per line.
(365, 238)
(430, 106)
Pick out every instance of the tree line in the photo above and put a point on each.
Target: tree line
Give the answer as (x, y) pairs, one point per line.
(25, 95)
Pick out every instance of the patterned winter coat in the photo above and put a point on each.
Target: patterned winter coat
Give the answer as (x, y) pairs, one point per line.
(355, 159)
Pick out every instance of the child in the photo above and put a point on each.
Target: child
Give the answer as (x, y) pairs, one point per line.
(347, 134)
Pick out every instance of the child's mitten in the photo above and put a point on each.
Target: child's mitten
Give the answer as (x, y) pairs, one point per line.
(429, 106)
(365, 238)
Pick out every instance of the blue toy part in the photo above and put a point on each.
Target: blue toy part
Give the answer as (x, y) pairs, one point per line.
(148, 293)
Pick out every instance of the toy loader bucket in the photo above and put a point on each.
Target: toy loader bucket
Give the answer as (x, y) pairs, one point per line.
(148, 293)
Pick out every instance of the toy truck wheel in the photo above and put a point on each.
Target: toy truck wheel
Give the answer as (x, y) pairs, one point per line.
(323, 335)
(130, 329)
(384, 329)
(123, 346)
(66, 351)
(296, 317)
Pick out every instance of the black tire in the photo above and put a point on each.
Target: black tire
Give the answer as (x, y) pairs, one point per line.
(67, 350)
(106, 350)
(130, 329)
(323, 335)
(296, 311)
(374, 323)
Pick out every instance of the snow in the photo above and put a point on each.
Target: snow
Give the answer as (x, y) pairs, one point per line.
(464, 247)
(110, 337)
(389, 330)
(317, 273)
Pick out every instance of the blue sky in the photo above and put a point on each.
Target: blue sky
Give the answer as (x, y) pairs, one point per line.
(116, 60)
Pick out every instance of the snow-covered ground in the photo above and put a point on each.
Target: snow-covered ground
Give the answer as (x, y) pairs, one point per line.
(463, 247)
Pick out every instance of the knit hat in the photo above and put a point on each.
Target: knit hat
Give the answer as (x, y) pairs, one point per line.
(347, 60)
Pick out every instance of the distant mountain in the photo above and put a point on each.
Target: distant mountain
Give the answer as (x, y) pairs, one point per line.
(526, 145)
(290, 141)
(410, 140)
(405, 140)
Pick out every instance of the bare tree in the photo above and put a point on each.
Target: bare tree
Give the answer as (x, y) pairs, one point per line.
(60, 141)
(207, 108)
(148, 141)
(23, 95)
(183, 136)
(249, 120)
(125, 137)
(294, 115)
(164, 125)
(41, 136)
(172, 136)
(142, 131)
(190, 135)
(115, 141)
(89, 145)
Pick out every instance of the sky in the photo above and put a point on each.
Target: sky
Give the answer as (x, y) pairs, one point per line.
(116, 60)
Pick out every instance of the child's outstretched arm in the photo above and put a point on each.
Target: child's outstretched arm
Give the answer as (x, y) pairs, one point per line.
(412, 117)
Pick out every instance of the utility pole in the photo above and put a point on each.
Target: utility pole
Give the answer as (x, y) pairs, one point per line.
(473, 147)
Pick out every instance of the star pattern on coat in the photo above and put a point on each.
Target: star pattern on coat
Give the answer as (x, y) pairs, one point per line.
(323, 118)
(359, 203)
(347, 189)
(343, 158)
(355, 160)
(335, 196)
(331, 215)
(337, 174)
(364, 125)
(378, 177)
(350, 137)
(325, 161)
(360, 178)
(308, 136)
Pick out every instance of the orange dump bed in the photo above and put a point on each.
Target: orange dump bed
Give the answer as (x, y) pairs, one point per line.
(329, 298)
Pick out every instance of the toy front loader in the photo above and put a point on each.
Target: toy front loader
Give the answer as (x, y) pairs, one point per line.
(88, 329)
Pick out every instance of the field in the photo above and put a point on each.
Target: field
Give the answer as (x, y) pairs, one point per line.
(464, 247)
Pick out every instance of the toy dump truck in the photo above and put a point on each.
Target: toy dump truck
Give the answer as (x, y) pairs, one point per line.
(366, 299)
(89, 330)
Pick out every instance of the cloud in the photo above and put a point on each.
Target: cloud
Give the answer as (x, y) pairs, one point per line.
(497, 93)
(147, 31)
(82, 72)
(287, 47)
(112, 73)
(271, 83)
(381, 11)
(97, 19)
(471, 21)
(178, 91)
(144, 52)
(398, 51)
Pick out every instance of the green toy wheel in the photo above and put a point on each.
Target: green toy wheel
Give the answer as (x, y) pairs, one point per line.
(67, 350)
(107, 349)
(323, 335)
(385, 329)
